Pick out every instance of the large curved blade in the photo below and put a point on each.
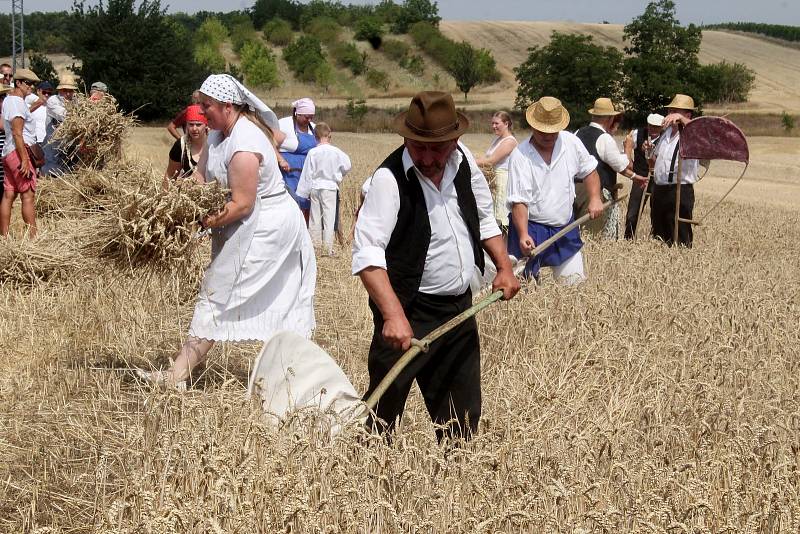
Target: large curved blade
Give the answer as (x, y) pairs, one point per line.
(714, 138)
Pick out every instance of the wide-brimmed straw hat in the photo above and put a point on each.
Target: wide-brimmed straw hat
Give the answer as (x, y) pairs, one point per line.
(680, 101)
(431, 118)
(547, 115)
(604, 107)
(27, 75)
(66, 82)
(5, 88)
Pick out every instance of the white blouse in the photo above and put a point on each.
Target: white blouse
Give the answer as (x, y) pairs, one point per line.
(503, 163)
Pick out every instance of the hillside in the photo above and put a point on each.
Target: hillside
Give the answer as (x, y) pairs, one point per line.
(777, 67)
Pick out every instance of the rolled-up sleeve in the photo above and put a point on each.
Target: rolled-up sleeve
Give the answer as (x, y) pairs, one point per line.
(521, 185)
(610, 153)
(376, 221)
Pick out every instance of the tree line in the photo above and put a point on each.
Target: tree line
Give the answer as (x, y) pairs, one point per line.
(778, 31)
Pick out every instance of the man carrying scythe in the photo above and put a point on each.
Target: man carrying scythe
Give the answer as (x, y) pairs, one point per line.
(421, 232)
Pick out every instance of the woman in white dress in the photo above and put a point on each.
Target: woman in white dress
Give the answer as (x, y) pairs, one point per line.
(497, 156)
(262, 275)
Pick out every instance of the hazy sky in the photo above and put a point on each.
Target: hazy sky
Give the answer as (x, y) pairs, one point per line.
(615, 11)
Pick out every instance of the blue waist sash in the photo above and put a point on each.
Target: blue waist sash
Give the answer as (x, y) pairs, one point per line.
(556, 254)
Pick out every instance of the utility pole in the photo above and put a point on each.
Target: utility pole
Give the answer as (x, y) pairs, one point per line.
(17, 34)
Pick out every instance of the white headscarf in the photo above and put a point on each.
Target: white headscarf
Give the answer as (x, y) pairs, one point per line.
(226, 88)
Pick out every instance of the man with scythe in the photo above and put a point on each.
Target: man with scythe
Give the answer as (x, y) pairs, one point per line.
(421, 232)
(670, 169)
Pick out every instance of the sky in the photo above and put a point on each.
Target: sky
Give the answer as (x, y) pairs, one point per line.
(614, 11)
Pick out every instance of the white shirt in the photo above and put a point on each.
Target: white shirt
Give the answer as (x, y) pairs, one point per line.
(39, 117)
(664, 151)
(324, 168)
(286, 125)
(13, 107)
(608, 150)
(56, 109)
(503, 163)
(548, 190)
(450, 264)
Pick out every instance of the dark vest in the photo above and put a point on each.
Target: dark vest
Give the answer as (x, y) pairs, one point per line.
(640, 165)
(408, 245)
(589, 135)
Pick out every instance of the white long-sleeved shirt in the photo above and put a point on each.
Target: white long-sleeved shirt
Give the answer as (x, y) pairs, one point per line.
(608, 151)
(324, 169)
(548, 190)
(56, 109)
(665, 149)
(449, 264)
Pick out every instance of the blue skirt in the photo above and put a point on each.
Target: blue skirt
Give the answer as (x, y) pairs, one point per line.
(556, 254)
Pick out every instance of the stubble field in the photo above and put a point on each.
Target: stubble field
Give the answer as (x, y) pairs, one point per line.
(660, 396)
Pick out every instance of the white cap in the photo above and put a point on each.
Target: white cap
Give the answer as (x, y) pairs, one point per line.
(654, 119)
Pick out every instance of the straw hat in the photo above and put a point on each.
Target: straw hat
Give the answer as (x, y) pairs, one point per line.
(67, 82)
(654, 119)
(431, 118)
(680, 101)
(27, 75)
(4, 88)
(547, 115)
(604, 107)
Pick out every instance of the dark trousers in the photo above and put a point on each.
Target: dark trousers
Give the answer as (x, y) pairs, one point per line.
(634, 200)
(448, 375)
(662, 213)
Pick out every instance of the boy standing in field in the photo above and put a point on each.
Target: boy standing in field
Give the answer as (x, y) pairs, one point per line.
(324, 169)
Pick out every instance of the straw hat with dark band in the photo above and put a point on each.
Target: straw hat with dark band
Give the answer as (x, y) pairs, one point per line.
(27, 75)
(431, 118)
(547, 115)
(680, 101)
(604, 107)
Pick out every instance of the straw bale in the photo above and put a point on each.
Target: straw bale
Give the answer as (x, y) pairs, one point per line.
(93, 131)
(25, 262)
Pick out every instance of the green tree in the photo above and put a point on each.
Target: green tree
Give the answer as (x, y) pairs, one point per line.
(43, 67)
(278, 32)
(464, 67)
(241, 33)
(209, 57)
(663, 58)
(265, 10)
(571, 68)
(129, 49)
(258, 66)
(413, 11)
(369, 29)
(324, 28)
(304, 56)
(212, 32)
(323, 75)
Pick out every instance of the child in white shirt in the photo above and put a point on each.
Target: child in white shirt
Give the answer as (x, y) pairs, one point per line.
(323, 171)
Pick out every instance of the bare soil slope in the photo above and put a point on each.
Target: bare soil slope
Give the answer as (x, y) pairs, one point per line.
(777, 67)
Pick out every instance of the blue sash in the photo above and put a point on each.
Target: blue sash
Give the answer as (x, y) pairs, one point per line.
(296, 160)
(554, 255)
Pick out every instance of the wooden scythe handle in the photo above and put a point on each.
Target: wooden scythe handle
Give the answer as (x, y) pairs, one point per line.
(422, 345)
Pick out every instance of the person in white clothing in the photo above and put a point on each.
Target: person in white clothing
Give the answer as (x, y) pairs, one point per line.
(542, 172)
(421, 232)
(37, 104)
(56, 161)
(323, 171)
(598, 140)
(497, 156)
(668, 163)
(262, 274)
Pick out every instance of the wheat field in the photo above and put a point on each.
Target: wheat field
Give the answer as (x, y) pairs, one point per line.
(660, 396)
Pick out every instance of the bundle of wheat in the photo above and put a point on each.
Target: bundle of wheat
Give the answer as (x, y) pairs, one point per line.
(93, 131)
(157, 228)
(488, 172)
(25, 261)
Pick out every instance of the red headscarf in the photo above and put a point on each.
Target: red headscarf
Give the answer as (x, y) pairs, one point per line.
(194, 113)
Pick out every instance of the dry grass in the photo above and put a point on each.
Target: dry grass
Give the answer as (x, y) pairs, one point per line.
(660, 396)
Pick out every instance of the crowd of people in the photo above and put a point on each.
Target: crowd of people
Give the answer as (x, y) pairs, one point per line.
(427, 226)
(32, 109)
(429, 223)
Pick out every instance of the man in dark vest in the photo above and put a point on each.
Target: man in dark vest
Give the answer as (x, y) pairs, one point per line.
(598, 140)
(637, 143)
(421, 232)
(669, 167)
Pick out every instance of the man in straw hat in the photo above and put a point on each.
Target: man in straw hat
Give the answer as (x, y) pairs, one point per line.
(637, 144)
(56, 113)
(20, 172)
(421, 233)
(665, 175)
(542, 171)
(596, 137)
